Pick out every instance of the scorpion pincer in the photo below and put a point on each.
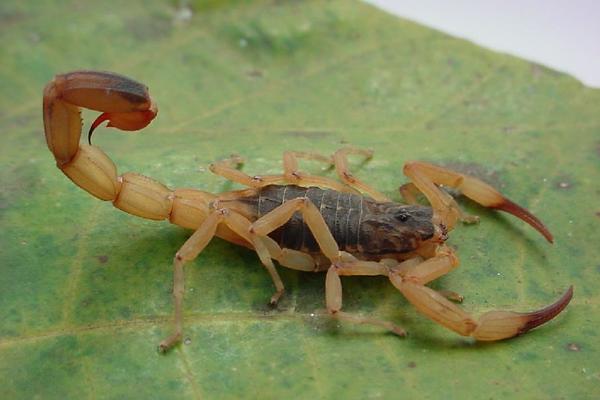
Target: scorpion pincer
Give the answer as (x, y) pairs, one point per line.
(304, 222)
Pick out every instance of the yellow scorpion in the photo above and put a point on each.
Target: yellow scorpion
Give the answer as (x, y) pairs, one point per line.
(304, 222)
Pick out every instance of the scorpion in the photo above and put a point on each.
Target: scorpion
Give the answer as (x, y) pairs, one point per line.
(304, 222)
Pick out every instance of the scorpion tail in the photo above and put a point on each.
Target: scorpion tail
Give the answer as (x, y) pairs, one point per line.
(129, 121)
(126, 105)
(124, 102)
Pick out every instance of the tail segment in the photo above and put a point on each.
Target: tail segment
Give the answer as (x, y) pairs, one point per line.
(126, 105)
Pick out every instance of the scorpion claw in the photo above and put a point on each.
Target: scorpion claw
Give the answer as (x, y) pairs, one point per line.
(537, 318)
(523, 214)
(496, 325)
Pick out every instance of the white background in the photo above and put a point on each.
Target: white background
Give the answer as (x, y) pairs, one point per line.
(563, 35)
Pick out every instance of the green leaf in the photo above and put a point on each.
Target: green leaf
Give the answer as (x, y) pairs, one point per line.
(85, 289)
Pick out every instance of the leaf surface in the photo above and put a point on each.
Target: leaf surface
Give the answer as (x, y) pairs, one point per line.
(85, 289)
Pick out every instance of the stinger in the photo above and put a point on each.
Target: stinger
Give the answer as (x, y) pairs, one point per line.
(101, 118)
(127, 121)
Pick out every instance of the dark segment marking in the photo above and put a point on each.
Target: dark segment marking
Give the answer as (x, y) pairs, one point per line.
(132, 91)
(341, 212)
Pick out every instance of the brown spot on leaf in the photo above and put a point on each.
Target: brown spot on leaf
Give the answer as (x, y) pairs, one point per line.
(255, 73)
(508, 129)
(573, 347)
(411, 364)
(103, 259)
(10, 17)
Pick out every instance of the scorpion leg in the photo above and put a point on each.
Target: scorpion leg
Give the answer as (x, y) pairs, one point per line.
(409, 193)
(289, 258)
(241, 226)
(312, 217)
(228, 169)
(188, 252)
(294, 176)
(340, 161)
(342, 263)
(426, 176)
(290, 161)
(340, 158)
(493, 325)
(333, 292)
(196, 243)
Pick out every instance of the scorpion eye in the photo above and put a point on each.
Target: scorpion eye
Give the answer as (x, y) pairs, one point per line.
(402, 216)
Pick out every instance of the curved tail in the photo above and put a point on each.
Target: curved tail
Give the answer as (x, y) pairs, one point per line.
(126, 105)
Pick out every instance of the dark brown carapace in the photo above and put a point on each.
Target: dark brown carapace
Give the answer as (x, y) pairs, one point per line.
(304, 222)
(360, 225)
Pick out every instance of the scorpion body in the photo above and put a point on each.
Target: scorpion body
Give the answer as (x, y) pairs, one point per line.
(363, 227)
(304, 222)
